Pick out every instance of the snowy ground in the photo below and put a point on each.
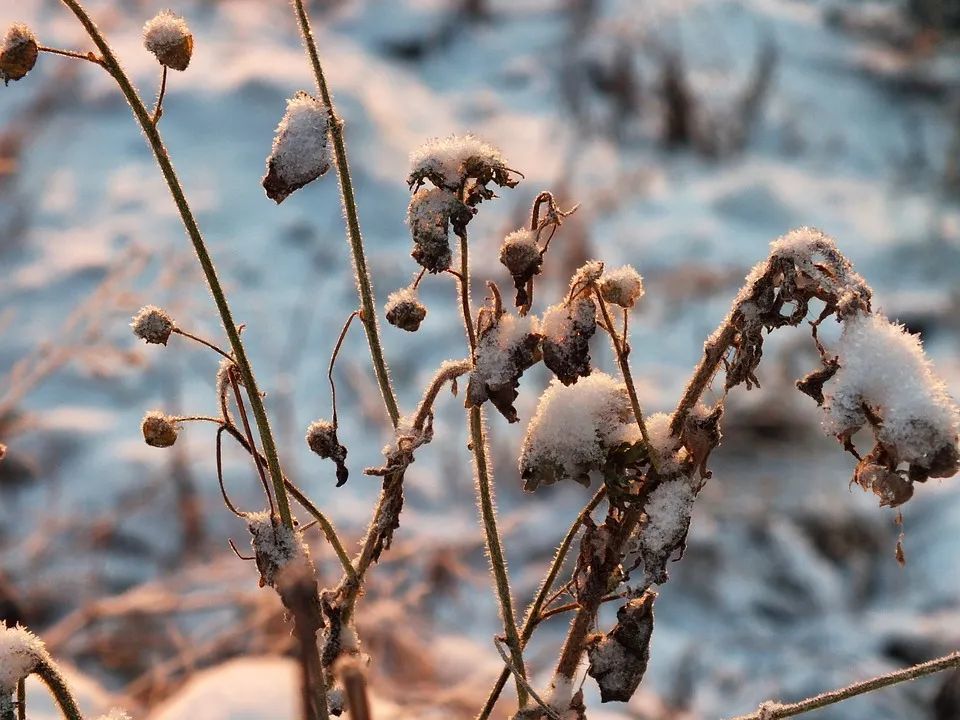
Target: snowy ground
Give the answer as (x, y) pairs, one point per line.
(788, 586)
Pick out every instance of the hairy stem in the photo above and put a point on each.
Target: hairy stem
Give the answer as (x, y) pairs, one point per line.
(155, 141)
(369, 314)
(488, 513)
(533, 618)
(58, 688)
(775, 711)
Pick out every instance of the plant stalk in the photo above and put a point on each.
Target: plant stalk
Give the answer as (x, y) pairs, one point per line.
(58, 688)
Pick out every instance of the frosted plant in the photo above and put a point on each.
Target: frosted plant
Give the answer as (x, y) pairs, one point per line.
(588, 426)
(301, 151)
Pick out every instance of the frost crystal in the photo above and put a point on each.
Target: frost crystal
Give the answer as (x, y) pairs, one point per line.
(301, 151)
(567, 330)
(19, 52)
(623, 286)
(573, 429)
(167, 36)
(404, 310)
(20, 653)
(885, 377)
(506, 347)
(153, 325)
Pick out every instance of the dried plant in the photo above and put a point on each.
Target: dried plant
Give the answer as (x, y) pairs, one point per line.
(588, 426)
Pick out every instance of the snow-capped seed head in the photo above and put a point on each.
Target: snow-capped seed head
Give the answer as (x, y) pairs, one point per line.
(19, 52)
(159, 430)
(21, 652)
(623, 286)
(567, 330)
(449, 162)
(322, 439)
(153, 325)
(585, 276)
(573, 430)
(520, 253)
(301, 148)
(167, 36)
(404, 310)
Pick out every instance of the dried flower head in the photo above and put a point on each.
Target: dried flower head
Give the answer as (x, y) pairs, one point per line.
(167, 36)
(567, 329)
(431, 213)
(574, 429)
(507, 345)
(153, 325)
(159, 430)
(623, 286)
(404, 310)
(19, 53)
(20, 653)
(460, 162)
(888, 485)
(618, 659)
(301, 151)
(277, 549)
(322, 439)
(520, 254)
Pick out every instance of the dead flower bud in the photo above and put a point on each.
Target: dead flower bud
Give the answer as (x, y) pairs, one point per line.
(19, 53)
(623, 286)
(301, 150)
(404, 310)
(153, 325)
(159, 430)
(460, 161)
(884, 482)
(430, 214)
(167, 36)
(520, 254)
(322, 439)
(618, 660)
(567, 329)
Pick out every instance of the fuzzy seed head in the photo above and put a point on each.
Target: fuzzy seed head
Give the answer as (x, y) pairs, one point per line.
(623, 286)
(301, 149)
(167, 36)
(159, 430)
(404, 310)
(153, 325)
(322, 438)
(20, 653)
(520, 253)
(19, 52)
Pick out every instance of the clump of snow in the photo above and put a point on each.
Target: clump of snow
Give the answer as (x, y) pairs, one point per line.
(20, 653)
(152, 324)
(665, 444)
(505, 349)
(567, 329)
(667, 517)
(573, 429)
(559, 693)
(623, 286)
(301, 150)
(167, 36)
(883, 370)
(277, 548)
(449, 161)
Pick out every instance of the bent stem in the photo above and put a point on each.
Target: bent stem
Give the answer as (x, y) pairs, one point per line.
(368, 316)
(58, 688)
(776, 711)
(142, 115)
(488, 513)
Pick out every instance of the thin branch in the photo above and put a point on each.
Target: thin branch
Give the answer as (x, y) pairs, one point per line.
(158, 109)
(88, 56)
(333, 360)
(775, 711)
(207, 343)
(223, 489)
(549, 711)
(246, 429)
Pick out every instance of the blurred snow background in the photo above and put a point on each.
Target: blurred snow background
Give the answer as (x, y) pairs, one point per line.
(116, 553)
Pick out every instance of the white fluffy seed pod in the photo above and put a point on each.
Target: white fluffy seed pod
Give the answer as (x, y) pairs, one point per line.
(152, 324)
(167, 36)
(623, 286)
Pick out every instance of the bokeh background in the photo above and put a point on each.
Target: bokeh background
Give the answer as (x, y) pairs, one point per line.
(691, 132)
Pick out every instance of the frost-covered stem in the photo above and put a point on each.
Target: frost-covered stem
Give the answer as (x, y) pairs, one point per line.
(498, 563)
(155, 141)
(713, 351)
(446, 373)
(620, 351)
(775, 711)
(71, 54)
(158, 108)
(207, 343)
(368, 315)
(465, 293)
(532, 618)
(58, 688)
(22, 699)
